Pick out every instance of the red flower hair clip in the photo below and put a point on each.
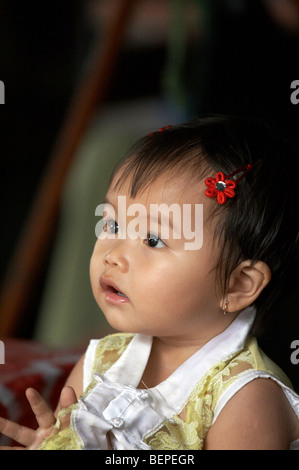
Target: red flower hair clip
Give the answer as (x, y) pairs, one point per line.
(162, 129)
(166, 128)
(222, 187)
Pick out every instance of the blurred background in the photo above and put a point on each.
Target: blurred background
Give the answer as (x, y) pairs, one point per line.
(83, 80)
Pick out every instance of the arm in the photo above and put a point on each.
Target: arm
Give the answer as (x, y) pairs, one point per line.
(31, 439)
(258, 417)
(75, 381)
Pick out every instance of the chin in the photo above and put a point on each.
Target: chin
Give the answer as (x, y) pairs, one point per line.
(117, 322)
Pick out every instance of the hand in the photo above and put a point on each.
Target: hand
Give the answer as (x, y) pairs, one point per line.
(31, 439)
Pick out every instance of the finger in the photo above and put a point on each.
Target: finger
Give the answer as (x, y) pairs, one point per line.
(17, 432)
(67, 397)
(43, 413)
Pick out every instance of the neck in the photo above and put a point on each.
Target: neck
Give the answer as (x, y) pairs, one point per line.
(169, 353)
(186, 345)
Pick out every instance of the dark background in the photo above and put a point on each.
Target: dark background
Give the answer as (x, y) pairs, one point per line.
(244, 63)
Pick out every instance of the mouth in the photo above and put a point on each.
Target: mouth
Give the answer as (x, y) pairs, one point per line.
(111, 291)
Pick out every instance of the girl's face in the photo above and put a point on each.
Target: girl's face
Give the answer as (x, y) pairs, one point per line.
(165, 290)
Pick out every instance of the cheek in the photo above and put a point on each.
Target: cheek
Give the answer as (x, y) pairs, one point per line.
(95, 267)
(193, 282)
(183, 282)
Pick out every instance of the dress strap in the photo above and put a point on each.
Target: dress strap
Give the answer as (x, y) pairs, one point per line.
(247, 377)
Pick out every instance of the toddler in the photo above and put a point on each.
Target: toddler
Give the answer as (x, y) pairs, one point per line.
(196, 239)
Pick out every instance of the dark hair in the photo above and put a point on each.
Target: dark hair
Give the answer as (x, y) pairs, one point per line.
(259, 223)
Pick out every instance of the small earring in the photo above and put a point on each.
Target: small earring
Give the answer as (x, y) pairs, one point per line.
(225, 308)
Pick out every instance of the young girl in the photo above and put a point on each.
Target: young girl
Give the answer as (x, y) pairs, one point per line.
(186, 371)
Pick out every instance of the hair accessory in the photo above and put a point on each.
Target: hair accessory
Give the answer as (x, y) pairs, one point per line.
(166, 128)
(222, 187)
(225, 307)
(162, 129)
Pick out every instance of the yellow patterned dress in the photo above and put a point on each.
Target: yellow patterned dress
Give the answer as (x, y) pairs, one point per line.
(176, 414)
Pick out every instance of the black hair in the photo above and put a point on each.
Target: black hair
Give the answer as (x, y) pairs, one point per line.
(260, 222)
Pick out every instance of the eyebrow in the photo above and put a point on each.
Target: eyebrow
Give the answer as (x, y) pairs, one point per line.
(149, 217)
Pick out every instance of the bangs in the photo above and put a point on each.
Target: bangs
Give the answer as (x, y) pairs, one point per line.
(158, 154)
(258, 224)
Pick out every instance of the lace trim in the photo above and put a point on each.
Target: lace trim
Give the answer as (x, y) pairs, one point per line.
(63, 435)
(109, 350)
(189, 429)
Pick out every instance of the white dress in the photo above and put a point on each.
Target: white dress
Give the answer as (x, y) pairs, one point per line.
(114, 404)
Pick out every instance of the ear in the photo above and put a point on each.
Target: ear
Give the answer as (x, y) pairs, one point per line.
(245, 284)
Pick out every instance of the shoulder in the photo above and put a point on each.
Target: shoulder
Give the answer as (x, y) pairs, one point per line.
(257, 417)
(75, 379)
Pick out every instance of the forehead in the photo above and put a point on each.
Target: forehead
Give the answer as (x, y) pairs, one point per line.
(150, 164)
(181, 199)
(168, 189)
(165, 188)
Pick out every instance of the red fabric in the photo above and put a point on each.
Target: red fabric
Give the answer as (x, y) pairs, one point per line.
(30, 364)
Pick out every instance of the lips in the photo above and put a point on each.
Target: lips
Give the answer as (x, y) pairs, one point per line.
(112, 292)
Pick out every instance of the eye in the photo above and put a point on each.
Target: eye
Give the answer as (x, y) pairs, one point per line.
(153, 241)
(111, 226)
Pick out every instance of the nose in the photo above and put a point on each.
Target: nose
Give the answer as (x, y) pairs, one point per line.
(117, 257)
